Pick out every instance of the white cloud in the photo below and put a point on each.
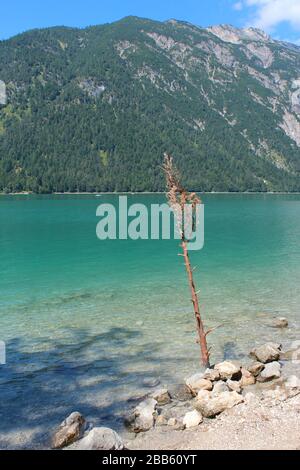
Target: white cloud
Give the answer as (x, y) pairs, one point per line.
(238, 6)
(270, 13)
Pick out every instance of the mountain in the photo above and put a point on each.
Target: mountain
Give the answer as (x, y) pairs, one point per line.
(95, 109)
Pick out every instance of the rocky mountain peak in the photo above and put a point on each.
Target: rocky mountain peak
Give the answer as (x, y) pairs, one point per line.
(229, 33)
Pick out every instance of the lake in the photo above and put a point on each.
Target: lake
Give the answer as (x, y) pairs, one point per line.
(91, 324)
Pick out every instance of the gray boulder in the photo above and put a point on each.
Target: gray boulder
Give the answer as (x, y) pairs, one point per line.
(269, 352)
(99, 439)
(271, 371)
(70, 430)
(210, 405)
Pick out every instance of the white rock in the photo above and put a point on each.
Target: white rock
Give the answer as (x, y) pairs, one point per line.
(172, 422)
(142, 418)
(99, 439)
(212, 375)
(211, 405)
(292, 382)
(271, 371)
(220, 387)
(229, 370)
(192, 419)
(197, 382)
(234, 386)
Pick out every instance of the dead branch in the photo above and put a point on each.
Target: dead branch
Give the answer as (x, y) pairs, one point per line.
(178, 198)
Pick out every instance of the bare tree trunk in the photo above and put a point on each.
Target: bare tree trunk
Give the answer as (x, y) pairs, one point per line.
(199, 323)
(179, 197)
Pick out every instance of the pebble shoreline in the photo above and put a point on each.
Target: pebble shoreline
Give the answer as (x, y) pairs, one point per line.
(192, 405)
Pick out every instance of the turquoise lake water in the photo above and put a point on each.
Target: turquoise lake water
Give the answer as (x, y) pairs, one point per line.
(91, 324)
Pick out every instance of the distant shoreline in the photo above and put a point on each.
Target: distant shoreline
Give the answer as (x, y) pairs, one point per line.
(132, 193)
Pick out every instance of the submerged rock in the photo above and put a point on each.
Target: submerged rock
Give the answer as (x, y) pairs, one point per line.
(291, 355)
(192, 419)
(99, 439)
(162, 397)
(180, 392)
(269, 352)
(143, 417)
(151, 382)
(271, 371)
(229, 370)
(70, 430)
(211, 405)
(280, 322)
(197, 382)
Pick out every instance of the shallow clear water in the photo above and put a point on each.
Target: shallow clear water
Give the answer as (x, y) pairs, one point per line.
(71, 306)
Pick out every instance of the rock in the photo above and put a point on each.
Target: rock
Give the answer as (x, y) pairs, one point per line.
(161, 420)
(234, 386)
(212, 375)
(280, 322)
(292, 382)
(220, 387)
(99, 439)
(176, 425)
(291, 355)
(271, 371)
(172, 422)
(142, 418)
(162, 397)
(292, 386)
(247, 378)
(192, 419)
(255, 368)
(275, 395)
(229, 370)
(151, 382)
(181, 392)
(70, 430)
(269, 352)
(210, 405)
(197, 382)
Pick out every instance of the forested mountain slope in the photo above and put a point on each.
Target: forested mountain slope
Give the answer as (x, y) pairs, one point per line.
(95, 109)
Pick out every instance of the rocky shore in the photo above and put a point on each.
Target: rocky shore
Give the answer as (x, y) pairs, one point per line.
(230, 406)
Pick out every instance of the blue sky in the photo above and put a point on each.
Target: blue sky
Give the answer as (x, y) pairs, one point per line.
(281, 18)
